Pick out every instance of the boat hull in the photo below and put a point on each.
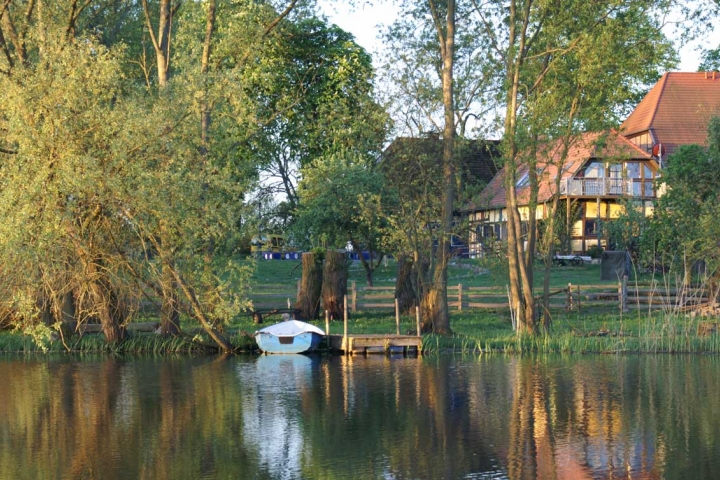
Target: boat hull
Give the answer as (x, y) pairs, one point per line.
(300, 343)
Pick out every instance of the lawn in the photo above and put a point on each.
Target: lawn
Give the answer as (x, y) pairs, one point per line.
(490, 330)
(474, 330)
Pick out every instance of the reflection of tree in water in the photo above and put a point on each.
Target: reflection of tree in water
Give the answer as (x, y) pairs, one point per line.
(394, 418)
(603, 417)
(435, 417)
(272, 424)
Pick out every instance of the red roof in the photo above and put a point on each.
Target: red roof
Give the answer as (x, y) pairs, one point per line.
(608, 145)
(677, 109)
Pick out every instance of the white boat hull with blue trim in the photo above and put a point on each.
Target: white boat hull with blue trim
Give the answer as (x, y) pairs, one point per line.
(292, 336)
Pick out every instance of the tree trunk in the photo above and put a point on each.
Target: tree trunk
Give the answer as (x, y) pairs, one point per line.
(368, 265)
(169, 313)
(334, 283)
(68, 312)
(404, 291)
(204, 68)
(437, 298)
(161, 41)
(110, 310)
(308, 302)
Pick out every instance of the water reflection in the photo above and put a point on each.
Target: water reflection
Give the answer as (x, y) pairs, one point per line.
(355, 417)
(272, 411)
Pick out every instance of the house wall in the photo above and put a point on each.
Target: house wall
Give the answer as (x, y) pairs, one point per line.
(583, 232)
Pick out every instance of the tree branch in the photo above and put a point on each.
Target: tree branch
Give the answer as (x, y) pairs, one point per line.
(270, 27)
(148, 22)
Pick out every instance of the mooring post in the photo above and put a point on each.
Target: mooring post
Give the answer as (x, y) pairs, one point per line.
(327, 328)
(397, 317)
(417, 320)
(345, 324)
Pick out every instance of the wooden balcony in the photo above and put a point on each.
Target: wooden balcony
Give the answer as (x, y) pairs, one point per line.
(606, 187)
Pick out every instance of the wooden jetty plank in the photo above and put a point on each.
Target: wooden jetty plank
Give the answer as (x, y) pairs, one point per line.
(364, 341)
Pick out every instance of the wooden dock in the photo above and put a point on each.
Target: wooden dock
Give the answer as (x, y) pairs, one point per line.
(376, 343)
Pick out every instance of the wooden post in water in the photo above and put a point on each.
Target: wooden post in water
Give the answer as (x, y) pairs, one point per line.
(327, 327)
(417, 320)
(345, 324)
(397, 317)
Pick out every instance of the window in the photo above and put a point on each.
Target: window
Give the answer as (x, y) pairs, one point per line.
(595, 170)
(633, 170)
(590, 228)
(524, 180)
(643, 141)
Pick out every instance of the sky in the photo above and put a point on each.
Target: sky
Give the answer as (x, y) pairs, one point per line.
(364, 21)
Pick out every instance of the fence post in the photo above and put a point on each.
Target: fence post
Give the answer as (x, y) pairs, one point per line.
(297, 294)
(623, 294)
(460, 292)
(353, 306)
(578, 302)
(569, 301)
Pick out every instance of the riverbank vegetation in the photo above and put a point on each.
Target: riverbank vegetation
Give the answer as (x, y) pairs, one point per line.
(639, 330)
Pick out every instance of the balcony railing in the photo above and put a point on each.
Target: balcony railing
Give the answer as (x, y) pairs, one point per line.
(606, 187)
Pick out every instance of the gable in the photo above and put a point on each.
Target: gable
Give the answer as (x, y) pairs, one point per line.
(676, 111)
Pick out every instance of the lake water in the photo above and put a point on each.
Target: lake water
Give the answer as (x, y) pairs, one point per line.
(287, 417)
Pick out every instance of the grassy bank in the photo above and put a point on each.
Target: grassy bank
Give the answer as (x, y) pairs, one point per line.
(474, 330)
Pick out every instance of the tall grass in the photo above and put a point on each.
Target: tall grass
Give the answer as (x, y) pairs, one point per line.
(137, 343)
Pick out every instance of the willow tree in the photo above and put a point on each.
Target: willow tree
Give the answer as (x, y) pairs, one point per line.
(104, 182)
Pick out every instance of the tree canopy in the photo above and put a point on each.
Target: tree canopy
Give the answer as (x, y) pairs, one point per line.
(132, 136)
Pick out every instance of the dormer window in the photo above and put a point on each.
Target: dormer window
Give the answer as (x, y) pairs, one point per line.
(523, 181)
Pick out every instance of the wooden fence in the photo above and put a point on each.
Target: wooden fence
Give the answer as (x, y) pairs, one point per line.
(609, 297)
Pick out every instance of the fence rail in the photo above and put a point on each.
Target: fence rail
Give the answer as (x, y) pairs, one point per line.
(621, 296)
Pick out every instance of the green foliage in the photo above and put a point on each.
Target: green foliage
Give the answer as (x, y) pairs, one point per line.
(684, 224)
(628, 231)
(108, 184)
(341, 200)
(318, 85)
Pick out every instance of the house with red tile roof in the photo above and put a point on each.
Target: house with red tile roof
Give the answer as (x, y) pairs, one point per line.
(602, 171)
(598, 171)
(675, 112)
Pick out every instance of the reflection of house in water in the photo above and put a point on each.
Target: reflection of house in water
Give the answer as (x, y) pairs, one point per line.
(577, 425)
(271, 412)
